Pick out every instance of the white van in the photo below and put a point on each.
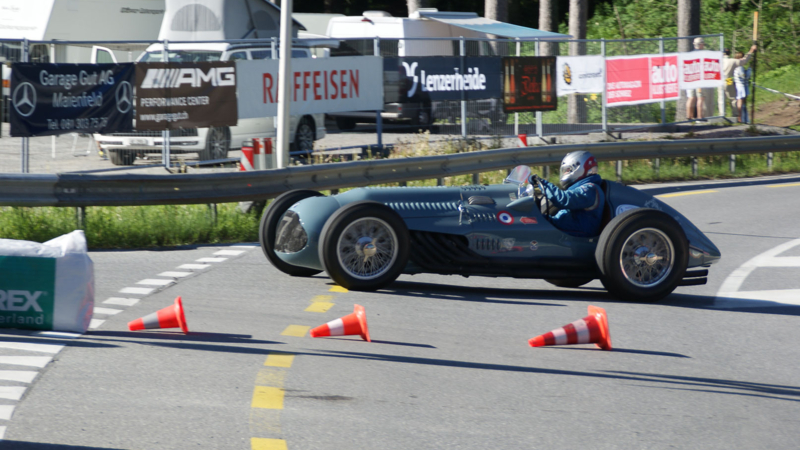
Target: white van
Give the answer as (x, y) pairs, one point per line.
(212, 143)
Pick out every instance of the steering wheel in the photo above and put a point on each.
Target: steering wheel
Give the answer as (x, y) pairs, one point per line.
(545, 206)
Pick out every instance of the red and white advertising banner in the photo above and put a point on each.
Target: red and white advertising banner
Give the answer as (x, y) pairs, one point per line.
(632, 80)
(701, 69)
(317, 85)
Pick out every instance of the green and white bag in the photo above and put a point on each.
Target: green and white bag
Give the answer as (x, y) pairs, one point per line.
(46, 286)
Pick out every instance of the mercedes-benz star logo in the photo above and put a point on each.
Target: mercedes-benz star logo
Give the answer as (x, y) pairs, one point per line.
(24, 99)
(124, 102)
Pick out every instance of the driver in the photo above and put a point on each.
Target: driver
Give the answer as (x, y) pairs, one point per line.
(580, 202)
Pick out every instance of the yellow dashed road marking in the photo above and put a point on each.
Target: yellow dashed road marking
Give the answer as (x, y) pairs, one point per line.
(279, 360)
(267, 397)
(319, 307)
(295, 330)
(783, 185)
(681, 194)
(338, 289)
(271, 377)
(322, 298)
(267, 444)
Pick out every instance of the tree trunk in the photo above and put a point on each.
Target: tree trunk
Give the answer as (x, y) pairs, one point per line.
(496, 10)
(578, 12)
(548, 21)
(414, 5)
(688, 25)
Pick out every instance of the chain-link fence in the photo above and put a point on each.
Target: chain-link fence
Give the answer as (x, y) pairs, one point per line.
(483, 118)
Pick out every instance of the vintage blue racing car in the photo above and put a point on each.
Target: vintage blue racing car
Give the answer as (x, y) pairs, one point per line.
(366, 237)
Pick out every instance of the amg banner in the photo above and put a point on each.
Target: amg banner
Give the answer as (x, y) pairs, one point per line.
(432, 78)
(172, 95)
(529, 83)
(53, 99)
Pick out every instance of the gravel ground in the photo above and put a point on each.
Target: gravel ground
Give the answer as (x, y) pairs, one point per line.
(75, 153)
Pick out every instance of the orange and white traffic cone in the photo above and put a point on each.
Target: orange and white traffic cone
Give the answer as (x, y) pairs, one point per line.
(246, 162)
(169, 317)
(355, 323)
(592, 329)
(522, 140)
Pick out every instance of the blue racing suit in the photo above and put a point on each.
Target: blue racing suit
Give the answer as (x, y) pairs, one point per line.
(581, 206)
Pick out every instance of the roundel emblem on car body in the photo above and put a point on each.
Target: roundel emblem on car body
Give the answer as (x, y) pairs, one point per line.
(505, 218)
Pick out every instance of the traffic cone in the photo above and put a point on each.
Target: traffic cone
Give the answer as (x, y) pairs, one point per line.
(355, 323)
(169, 317)
(522, 140)
(592, 329)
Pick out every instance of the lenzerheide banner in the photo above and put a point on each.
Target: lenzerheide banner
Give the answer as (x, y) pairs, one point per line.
(182, 95)
(529, 84)
(435, 78)
(54, 99)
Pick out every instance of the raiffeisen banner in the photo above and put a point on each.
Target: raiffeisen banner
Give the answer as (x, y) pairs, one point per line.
(633, 80)
(434, 78)
(317, 85)
(701, 69)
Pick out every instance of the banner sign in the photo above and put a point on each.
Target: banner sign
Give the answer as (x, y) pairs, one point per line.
(633, 80)
(435, 78)
(181, 95)
(528, 84)
(27, 292)
(317, 85)
(579, 74)
(701, 69)
(53, 99)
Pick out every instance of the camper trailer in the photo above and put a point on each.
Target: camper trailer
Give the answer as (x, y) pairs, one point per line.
(196, 32)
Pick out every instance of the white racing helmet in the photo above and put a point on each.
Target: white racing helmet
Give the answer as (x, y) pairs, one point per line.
(576, 166)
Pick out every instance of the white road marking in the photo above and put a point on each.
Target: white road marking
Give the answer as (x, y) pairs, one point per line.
(194, 266)
(12, 392)
(6, 411)
(211, 259)
(57, 334)
(729, 296)
(34, 361)
(23, 376)
(136, 290)
(155, 282)
(42, 348)
(230, 252)
(107, 311)
(174, 274)
(121, 301)
(95, 323)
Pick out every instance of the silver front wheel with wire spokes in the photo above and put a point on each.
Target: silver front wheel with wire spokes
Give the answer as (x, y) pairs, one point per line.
(647, 257)
(367, 248)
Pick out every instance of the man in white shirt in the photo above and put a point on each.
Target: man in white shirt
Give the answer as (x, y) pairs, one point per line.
(728, 66)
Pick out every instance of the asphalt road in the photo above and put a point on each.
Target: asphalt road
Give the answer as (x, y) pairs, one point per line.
(709, 367)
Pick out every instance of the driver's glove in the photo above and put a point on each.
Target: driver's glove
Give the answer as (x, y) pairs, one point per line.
(533, 179)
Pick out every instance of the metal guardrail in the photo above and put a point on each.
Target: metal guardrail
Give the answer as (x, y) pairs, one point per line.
(139, 189)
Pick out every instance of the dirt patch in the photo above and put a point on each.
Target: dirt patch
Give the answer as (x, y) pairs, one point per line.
(780, 113)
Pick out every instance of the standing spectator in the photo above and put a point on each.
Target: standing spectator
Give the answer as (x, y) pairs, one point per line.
(728, 66)
(694, 103)
(741, 79)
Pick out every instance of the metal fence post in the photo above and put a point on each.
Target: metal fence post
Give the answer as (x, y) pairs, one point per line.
(80, 217)
(663, 103)
(516, 114)
(769, 161)
(212, 207)
(378, 117)
(53, 137)
(733, 164)
(539, 125)
(165, 134)
(619, 171)
(604, 105)
(25, 151)
(694, 167)
(463, 50)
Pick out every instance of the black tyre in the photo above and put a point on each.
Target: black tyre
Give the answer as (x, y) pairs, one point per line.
(364, 246)
(218, 142)
(269, 227)
(642, 255)
(304, 136)
(568, 282)
(122, 157)
(345, 123)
